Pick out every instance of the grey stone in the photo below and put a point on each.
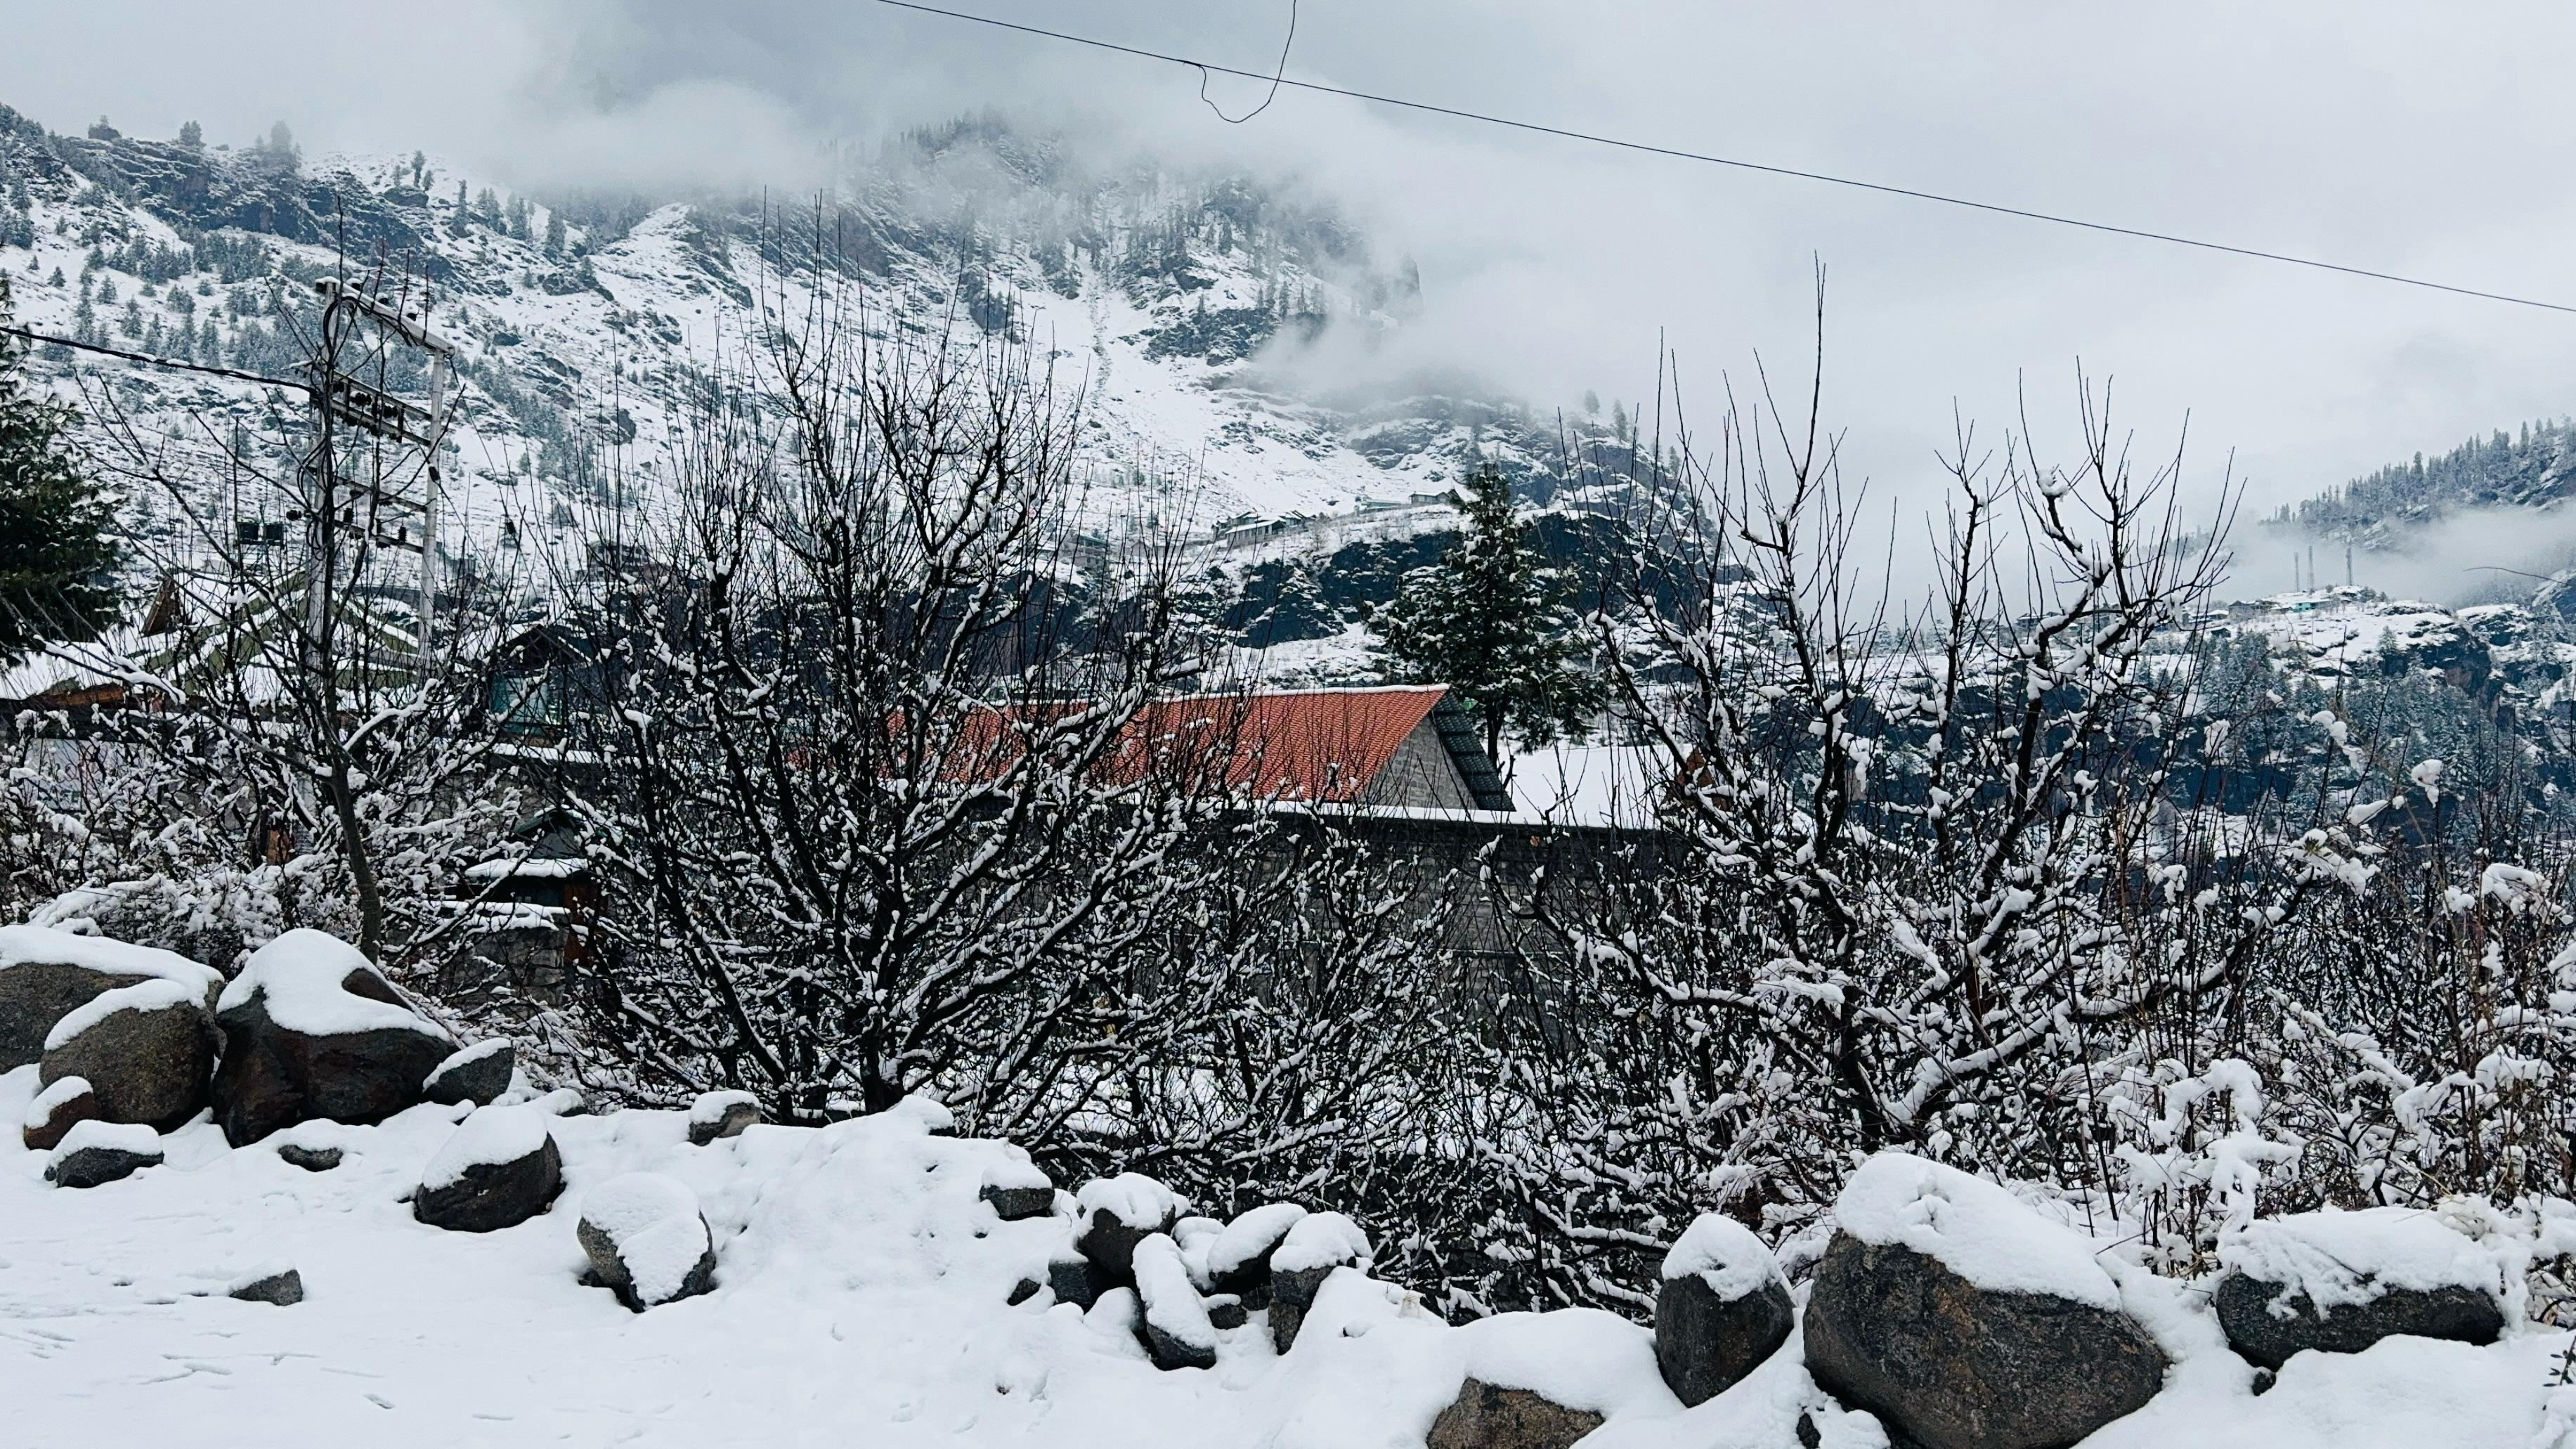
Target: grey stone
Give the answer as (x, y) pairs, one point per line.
(1489, 1416)
(281, 1288)
(1071, 1278)
(66, 1114)
(1014, 1203)
(465, 1077)
(1110, 1245)
(1023, 1291)
(1951, 1365)
(36, 994)
(147, 1064)
(1249, 1280)
(608, 1268)
(1224, 1310)
(1291, 1294)
(738, 1118)
(311, 1159)
(272, 1077)
(1171, 1353)
(1706, 1344)
(2244, 1305)
(93, 1166)
(489, 1196)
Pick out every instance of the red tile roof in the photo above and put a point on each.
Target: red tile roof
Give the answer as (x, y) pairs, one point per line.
(1318, 746)
(1325, 746)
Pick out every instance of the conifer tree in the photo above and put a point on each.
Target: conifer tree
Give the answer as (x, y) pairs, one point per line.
(1488, 621)
(55, 554)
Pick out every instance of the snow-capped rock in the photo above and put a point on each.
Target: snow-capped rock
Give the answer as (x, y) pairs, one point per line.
(94, 1153)
(146, 1050)
(478, 1074)
(312, 1029)
(2338, 1282)
(646, 1239)
(499, 1169)
(46, 973)
(715, 1116)
(1721, 1309)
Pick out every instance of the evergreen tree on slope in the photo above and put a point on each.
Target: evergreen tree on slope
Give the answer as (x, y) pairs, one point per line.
(55, 555)
(1487, 621)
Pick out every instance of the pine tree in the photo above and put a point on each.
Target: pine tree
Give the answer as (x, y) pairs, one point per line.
(55, 555)
(192, 135)
(1487, 622)
(554, 234)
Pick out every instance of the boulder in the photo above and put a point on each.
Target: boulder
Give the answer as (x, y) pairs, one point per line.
(2338, 1282)
(1314, 1247)
(1239, 1261)
(1964, 1320)
(1069, 1276)
(100, 1152)
(478, 1074)
(1722, 1308)
(45, 974)
(715, 1116)
(497, 1170)
(646, 1239)
(146, 1050)
(1224, 1310)
(1017, 1190)
(1176, 1329)
(1488, 1416)
(311, 1029)
(55, 1111)
(1118, 1213)
(314, 1146)
(281, 1286)
(311, 1159)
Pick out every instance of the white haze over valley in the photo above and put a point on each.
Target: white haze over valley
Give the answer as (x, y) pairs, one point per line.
(2383, 136)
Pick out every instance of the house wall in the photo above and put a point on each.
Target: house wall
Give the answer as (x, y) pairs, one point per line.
(1421, 774)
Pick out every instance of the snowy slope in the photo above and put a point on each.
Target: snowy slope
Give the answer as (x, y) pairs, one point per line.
(860, 1299)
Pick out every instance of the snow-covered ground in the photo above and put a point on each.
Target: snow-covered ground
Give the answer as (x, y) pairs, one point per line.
(860, 1300)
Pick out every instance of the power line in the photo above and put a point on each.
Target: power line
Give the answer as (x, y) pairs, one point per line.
(1278, 73)
(1678, 154)
(145, 357)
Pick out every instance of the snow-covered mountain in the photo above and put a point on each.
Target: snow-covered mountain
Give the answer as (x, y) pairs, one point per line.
(1179, 302)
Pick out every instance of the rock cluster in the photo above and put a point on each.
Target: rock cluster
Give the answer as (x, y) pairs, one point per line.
(1956, 1314)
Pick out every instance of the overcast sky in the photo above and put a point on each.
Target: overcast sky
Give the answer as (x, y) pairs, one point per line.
(2430, 140)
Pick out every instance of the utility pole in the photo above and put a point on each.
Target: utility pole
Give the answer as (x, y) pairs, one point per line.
(384, 508)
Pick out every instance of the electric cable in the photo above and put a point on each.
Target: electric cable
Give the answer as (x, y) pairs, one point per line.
(1679, 154)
